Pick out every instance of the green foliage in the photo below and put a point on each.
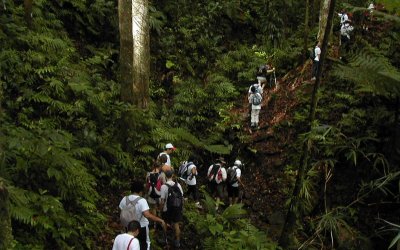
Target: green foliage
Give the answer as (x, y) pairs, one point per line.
(227, 230)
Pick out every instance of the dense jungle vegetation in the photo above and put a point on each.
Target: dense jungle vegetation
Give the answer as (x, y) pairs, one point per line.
(70, 145)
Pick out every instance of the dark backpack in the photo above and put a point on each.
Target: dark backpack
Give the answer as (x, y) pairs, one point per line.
(183, 170)
(262, 70)
(212, 177)
(232, 175)
(175, 198)
(154, 185)
(128, 213)
(256, 99)
(312, 54)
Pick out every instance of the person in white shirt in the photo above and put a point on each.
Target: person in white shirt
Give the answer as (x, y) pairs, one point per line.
(255, 108)
(191, 181)
(315, 66)
(259, 87)
(168, 149)
(172, 217)
(216, 175)
(233, 181)
(371, 7)
(345, 35)
(142, 207)
(128, 240)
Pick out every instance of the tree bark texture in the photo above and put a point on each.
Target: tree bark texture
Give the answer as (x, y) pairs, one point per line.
(5, 221)
(134, 51)
(293, 213)
(323, 19)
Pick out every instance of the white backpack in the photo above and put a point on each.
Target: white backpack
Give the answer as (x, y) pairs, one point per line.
(128, 213)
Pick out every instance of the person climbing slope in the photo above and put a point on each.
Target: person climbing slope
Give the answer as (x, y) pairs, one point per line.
(255, 99)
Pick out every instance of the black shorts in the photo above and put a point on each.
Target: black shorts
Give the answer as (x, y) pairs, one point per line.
(172, 216)
(216, 189)
(142, 237)
(232, 191)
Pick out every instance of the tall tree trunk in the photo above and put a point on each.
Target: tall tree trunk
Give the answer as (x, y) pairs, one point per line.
(323, 19)
(134, 51)
(5, 221)
(293, 212)
(306, 28)
(28, 12)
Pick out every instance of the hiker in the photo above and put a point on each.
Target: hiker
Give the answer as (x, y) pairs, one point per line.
(343, 17)
(168, 149)
(216, 175)
(317, 54)
(259, 88)
(162, 160)
(255, 99)
(153, 187)
(345, 31)
(172, 205)
(266, 73)
(233, 180)
(188, 173)
(128, 240)
(371, 7)
(142, 213)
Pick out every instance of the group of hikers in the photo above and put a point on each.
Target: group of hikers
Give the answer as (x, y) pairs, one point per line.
(159, 198)
(346, 29)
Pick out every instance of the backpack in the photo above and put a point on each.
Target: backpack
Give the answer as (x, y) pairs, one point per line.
(232, 175)
(262, 70)
(256, 99)
(128, 213)
(175, 198)
(154, 185)
(215, 173)
(312, 54)
(183, 170)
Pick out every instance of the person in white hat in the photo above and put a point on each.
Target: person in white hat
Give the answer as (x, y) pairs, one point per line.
(169, 148)
(234, 173)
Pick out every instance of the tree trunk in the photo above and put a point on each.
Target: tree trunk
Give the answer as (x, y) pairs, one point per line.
(293, 213)
(5, 221)
(306, 28)
(323, 19)
(134, 51)
(28, 12)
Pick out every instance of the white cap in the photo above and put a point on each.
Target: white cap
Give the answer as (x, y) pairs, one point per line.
(237, 163)
(170, 146)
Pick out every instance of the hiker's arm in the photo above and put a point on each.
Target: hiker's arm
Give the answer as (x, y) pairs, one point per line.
(152, 217)
(240, 181)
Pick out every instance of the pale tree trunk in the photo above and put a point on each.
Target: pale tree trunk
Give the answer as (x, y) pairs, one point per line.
(134, 51)
(323, 19)
(293, 213)
(5, 222)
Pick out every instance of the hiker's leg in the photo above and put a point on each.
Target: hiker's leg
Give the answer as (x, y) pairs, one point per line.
(235, 192)
(256, 116)
(253, 116)
(142, 237)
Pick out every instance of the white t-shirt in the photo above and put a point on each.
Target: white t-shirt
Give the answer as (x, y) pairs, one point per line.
(317, 52)
(121, 242)
(141, 206)
(191, 180)
(238, 175)
(164, 192)
(258, 86)
(223, 173)
(168, 158)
